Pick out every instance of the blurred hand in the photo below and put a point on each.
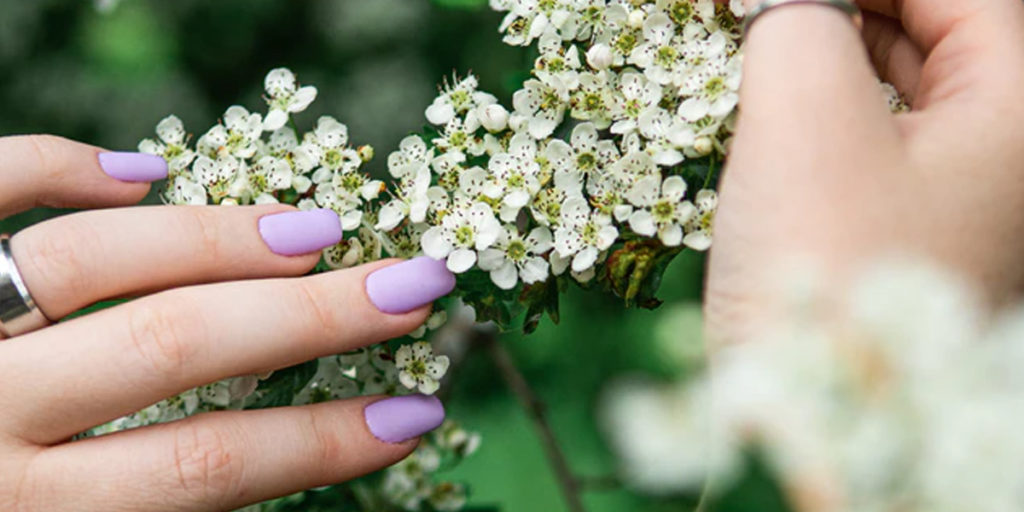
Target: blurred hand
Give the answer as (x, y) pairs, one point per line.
(820, 168)
(66, 378)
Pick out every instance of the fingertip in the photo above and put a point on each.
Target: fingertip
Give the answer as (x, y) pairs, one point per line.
(133, 167)
(401, 419)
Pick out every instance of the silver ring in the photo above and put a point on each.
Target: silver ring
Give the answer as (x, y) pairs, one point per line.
(18, 312)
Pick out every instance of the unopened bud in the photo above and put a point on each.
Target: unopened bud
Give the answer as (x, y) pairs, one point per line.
(704, 145)
(494, 118)
(600, 56)
(365, 153)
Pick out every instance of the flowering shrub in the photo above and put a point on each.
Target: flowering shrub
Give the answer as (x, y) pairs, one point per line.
(600, 174)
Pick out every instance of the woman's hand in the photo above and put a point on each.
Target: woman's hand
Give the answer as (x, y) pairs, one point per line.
(60, 380)
(820, 170)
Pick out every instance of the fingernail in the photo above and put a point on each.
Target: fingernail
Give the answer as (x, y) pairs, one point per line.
(304, 232)
(133, 167)
(409, 285)
(399, 419)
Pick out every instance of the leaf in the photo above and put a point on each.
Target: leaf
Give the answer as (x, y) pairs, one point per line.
(635, 269)
(491, 303)
(540, 298)
(280, 389)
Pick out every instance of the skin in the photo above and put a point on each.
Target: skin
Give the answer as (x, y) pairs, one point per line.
(254, 316)
(822, 174)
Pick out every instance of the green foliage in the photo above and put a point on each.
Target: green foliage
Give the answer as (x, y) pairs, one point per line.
(280, 389)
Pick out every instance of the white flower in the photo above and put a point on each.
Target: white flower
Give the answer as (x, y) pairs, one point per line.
(659, 55)
(667, 136)
(463, 232)
(185, 191)
(516, 257)
(636, 95)
(457, 137)
(216, 176)
(419, 368)
(558, 61)
(270, 174)
(238, 136)
(364, 248)
(411, 155)
(327, 146)
(662, 209)
(515, 174)
(700, 228)
(541, 104)
(171, 144)
(458, 100)
(285, 97)
(410, 201)
(587, 154)
(713, 90)
(593, 101)
(583, 234)
(546, 207)
(524, 22)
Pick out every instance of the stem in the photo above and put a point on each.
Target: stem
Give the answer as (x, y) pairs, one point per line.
(535, 409)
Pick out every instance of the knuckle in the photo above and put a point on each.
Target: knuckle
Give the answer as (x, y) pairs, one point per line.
(325, 442)
(206, 466)
(313, 301)
(158, 336)
(59, 262)
(205, 225)
(45, 152)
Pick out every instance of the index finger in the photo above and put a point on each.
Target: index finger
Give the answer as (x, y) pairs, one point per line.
(806, 67)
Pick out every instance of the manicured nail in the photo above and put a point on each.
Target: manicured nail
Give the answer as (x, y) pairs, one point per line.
(133, 167)
(304, 232)
(409, 285)
(399, 419)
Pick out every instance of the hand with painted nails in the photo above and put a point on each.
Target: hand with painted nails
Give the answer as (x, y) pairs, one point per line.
(219, 295)
(822, 173)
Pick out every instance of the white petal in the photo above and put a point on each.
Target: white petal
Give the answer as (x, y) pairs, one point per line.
(698, 240)
(540, 240)
(584, 260)
(461, 260)
(440, 113)
(407, 380)
(435, 244)
(642, 223)
(505, 276)
(429, 386)
(275, 120)
(674, 188)
(535, 270)
(491, 259)
(302, 99)
(671, 235)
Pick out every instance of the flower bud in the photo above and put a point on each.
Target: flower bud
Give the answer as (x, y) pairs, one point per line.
(637, 18)
(600, 56)
(493, 117)
(704, 145)
(365, 153)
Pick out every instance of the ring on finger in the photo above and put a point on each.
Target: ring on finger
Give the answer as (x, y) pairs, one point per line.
(18, 312)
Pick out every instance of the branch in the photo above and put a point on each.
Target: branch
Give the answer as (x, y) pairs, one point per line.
(534, 408)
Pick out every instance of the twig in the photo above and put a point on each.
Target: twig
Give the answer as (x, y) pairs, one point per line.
(568, 483)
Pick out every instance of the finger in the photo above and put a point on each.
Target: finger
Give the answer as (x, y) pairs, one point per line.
(896, 58)
(808, 80)
(967, 23)
(120, 360)
(76, 260)
(43, 170)
(225, 460)
(967, 44)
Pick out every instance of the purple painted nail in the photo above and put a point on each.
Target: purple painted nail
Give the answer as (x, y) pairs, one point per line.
(409, 285)
(304, 232)
(399, 419)
(133, 167)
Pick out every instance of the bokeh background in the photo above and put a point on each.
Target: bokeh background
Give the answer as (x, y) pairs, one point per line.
(107, 77)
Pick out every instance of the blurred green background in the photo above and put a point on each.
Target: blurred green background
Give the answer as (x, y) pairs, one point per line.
(108, 78)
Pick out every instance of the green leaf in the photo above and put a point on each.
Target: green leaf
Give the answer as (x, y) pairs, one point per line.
(541, 298)
(634, 271)
(491, 303)
(280, 389)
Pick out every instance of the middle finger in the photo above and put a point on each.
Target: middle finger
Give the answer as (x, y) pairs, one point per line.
(120, 360)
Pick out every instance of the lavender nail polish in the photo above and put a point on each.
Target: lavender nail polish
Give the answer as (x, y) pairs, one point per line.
(409, 285)
(399, 419)
(304, 232)
(133, 167)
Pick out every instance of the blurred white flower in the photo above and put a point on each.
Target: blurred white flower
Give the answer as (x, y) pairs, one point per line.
(419, 368)
(285, 97)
